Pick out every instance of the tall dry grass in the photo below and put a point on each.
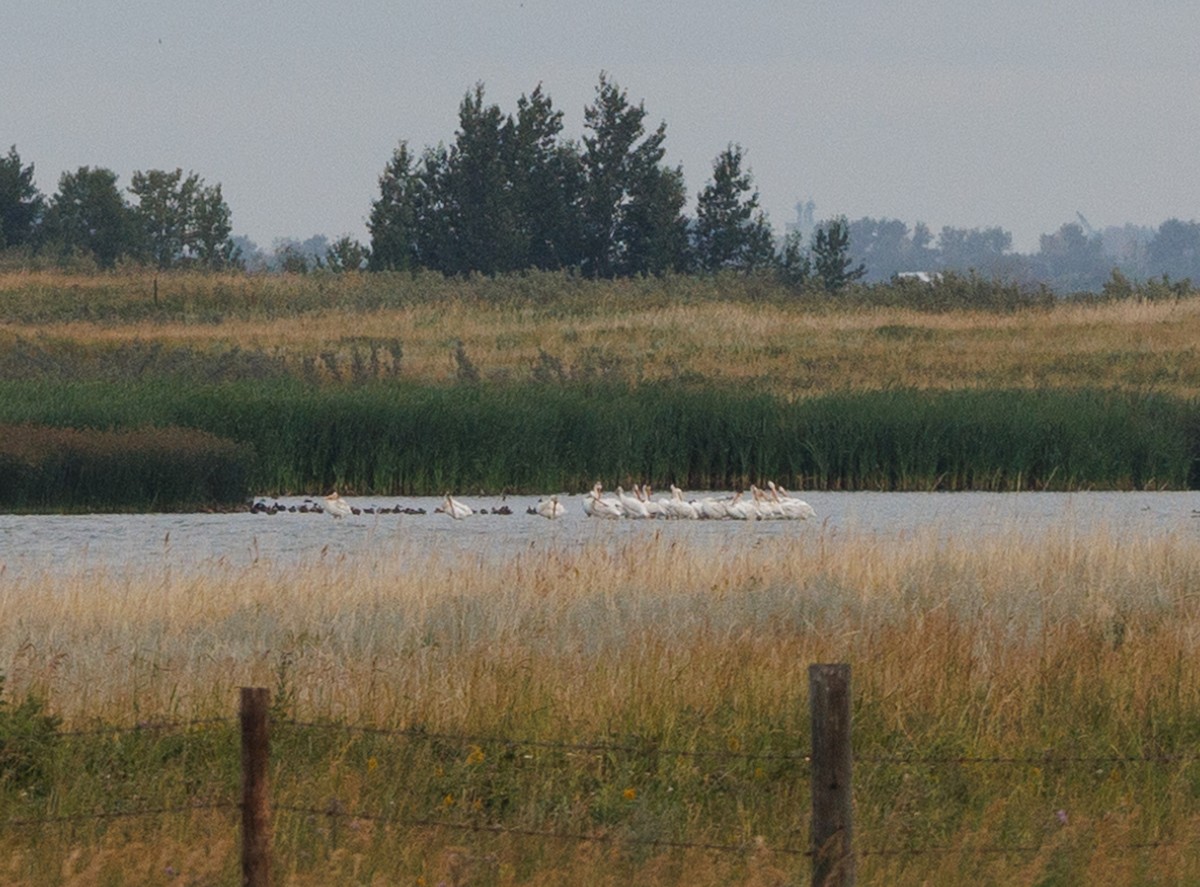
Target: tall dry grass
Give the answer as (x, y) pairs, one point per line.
(722, 331)
(1068, 657)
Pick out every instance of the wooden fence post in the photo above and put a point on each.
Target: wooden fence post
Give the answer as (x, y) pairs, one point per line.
(256, 796)
(832, 802)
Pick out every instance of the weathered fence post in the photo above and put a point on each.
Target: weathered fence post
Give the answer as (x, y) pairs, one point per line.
(256, 797)
(832, 811)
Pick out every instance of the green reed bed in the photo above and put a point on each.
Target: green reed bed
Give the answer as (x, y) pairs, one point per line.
(163, 468)
(380, 438)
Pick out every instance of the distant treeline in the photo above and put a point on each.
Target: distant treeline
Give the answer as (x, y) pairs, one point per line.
(511, 193)
(278, 436)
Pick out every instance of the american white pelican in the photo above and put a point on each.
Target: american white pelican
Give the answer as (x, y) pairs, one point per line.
(588, 500)
(767, 506)
(551, 508)
(633, 506)
(679, 507)
(739, 510)
(454, 508)
(645, 496)
(713, 509)
(606, 509)
(336, 506)
(794, 508)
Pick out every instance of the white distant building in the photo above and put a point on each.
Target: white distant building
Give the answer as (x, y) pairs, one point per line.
(921, 276)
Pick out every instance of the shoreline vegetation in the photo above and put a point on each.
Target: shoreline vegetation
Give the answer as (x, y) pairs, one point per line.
(1023, 710)
(1034, 698)
(415, 384)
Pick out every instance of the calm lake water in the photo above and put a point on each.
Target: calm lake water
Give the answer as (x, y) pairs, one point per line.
(48, 543)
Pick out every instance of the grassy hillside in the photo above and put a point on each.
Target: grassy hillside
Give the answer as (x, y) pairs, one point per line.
(395, 383)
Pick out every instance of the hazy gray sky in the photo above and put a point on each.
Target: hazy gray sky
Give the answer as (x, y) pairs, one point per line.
(1015, 114)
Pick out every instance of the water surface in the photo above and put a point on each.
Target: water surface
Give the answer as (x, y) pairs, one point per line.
(46, 543)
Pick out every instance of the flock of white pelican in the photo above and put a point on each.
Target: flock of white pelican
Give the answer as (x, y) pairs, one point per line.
(773, 503)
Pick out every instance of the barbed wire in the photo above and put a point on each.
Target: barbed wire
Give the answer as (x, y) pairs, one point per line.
(120, 814)
(1028, 760)
(648, 748)
(554, 745)
(651, 749)
(578, 837)
(148, 727)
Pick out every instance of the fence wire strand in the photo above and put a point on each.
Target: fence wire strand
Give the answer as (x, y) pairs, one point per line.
(578, 837)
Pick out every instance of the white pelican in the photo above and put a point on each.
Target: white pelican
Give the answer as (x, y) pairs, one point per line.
(768, 507)
(608, 509)
(796, 509)
(454, 508)
(551, 508)
(632, 505)
(588, 500)
(678, 507)
(336, 506)
(595, 506)
(713, 509)
(653, 509)
(739, 510)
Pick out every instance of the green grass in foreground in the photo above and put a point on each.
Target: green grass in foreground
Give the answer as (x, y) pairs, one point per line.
(385, 438)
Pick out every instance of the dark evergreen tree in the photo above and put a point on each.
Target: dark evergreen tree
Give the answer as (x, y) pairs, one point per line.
(794, 266)
(632, 207)
(394, 216)
(731, 232)
(21, 204)
(831, 256)
(480, 206)
(547, 181)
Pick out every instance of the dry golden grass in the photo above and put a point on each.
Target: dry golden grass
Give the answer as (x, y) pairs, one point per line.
(1068, 646)
(646, 334)
(401, 637)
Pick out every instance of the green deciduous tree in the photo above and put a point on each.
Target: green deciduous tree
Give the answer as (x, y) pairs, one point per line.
(180, 220)
(1071, 261)
(731, 232)
(1175, 250)
(88, 215)
(21, 204)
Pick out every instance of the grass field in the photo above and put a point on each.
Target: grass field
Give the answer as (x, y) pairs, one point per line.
(1019, 716)
(393, 383)
(719, 331)
(1024, 713)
